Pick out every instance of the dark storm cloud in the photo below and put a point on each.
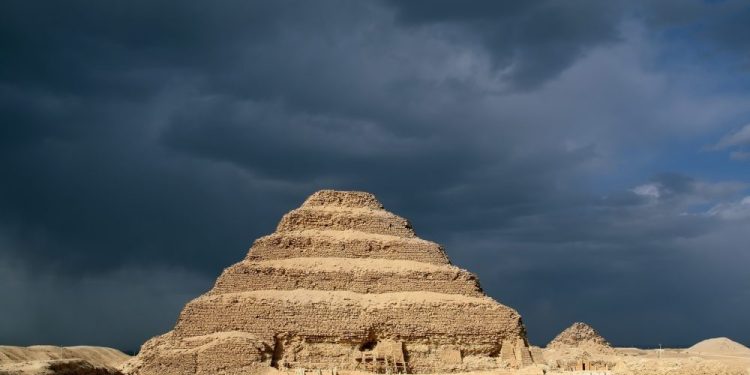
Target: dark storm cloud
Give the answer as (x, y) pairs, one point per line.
(148, 143)
(82, 47)
(532, 40)
(83, 91)
(109, 310)
(632, 265)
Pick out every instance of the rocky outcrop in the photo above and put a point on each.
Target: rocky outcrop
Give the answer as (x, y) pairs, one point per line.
(343, 284)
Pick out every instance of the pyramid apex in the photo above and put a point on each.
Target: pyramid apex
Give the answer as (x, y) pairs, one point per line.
(340, 198)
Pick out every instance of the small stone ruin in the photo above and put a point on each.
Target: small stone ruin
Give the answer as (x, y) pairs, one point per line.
(581, 348)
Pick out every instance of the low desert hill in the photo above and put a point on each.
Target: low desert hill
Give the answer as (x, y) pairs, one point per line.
(49, 360)
(720, 346)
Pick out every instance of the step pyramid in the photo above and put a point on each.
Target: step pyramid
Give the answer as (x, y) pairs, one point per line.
(342, 285)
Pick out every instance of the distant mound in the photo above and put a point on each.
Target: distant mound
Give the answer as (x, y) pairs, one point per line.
(54, 360)
(579, 335)
(720, 345)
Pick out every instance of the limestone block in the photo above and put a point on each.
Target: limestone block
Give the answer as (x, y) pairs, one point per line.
(450, 356)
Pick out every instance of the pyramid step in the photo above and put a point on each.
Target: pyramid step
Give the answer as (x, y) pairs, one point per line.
(347, 317)
(364, 220)
(356, 275)
(351, 199)
(345, 244)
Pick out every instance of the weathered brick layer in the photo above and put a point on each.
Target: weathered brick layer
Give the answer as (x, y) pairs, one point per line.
(363, 220)
(220, 353)
(356, 275)
(345, 244)
(342, 316)
(333, 198)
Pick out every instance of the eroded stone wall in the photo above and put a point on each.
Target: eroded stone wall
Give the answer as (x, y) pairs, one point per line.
(362, 220)
(337, 274)
(345, 244)
(347, 316)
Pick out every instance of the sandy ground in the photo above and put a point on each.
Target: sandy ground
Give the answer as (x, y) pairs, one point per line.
(732, 360)
(628, 361)
(710, 357)
(634, 361)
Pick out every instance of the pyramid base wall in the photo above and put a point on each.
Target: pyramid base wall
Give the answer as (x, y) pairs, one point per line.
(226, 353)
(353, 318)
(241, 353)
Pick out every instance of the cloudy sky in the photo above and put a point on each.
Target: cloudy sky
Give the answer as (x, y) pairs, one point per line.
(589, 160)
